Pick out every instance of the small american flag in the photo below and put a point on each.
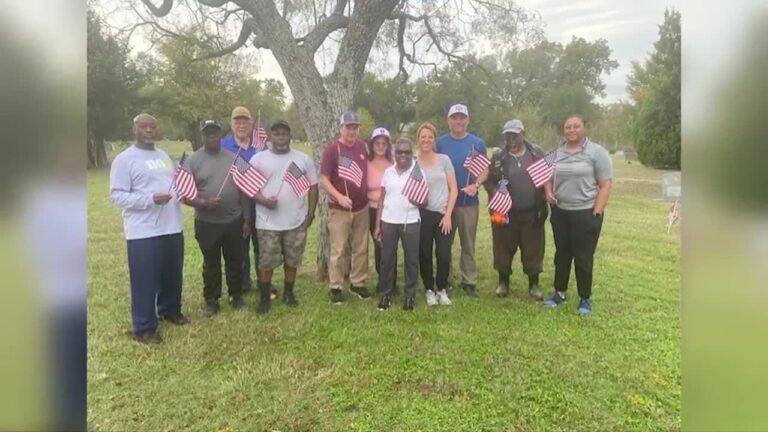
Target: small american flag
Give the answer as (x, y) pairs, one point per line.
(416, 186)
(297, 179)
(543, 169)
(349, 170)
(247, 178)
(183, 181)
(501, 202)
(673, 215)
(259, 138)
(476, 162)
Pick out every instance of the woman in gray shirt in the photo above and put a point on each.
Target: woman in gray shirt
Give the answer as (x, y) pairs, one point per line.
(437, 216)
(578, 194)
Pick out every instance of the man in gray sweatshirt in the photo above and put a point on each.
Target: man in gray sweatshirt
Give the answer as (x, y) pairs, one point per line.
(222, 218)
(139, 183)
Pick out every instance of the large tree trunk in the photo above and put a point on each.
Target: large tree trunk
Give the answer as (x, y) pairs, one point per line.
(97, 154)
(321, 100)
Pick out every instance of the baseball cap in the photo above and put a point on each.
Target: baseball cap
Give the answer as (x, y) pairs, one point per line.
(349, 117)
(280, 123)
(458, 109)
(513, 126)
(241, 112)
(380, 132)
(206, 124)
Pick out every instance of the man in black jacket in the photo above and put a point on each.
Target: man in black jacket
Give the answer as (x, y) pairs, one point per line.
(524, 225)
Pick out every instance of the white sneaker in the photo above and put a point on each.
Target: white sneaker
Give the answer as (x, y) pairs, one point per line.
(442, 297)
(431, 298)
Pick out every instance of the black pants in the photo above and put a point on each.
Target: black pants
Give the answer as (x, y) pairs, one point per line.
(575, 233)
(215, 240)
(431, 234)
(408, 234)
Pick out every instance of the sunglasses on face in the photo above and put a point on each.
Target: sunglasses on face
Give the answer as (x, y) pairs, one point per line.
(403, 152)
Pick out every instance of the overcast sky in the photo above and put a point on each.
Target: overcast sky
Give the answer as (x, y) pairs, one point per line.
(629, 26)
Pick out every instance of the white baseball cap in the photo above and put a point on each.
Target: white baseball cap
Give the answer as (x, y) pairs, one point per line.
(380, 132)
(458, 109)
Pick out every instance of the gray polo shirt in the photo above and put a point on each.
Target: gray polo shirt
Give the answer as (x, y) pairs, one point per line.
(577, 175)
(210, 171)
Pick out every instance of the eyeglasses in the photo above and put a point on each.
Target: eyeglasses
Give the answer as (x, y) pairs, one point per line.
(403, 152)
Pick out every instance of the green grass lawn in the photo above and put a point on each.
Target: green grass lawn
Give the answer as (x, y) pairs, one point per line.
(480, 365)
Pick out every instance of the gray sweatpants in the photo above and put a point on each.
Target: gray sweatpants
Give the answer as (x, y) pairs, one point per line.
(409, 235)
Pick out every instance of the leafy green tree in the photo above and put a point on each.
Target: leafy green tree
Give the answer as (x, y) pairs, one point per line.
(390, 101)
(654, 86)
(113, 82)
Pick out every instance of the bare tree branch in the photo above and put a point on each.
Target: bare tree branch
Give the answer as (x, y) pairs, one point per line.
(337, 20)
(213, 3)
(248, 26)
(159, 11)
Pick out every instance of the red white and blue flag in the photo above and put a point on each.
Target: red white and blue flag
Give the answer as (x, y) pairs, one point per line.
(501, 202)
(297, 179)
(416, 186)
(183, 181)
(246, 177)
(476, 162)
(543, 169)
(349, 170)
(259, 138)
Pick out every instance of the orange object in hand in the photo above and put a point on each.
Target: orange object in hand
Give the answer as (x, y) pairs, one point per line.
(498, 218)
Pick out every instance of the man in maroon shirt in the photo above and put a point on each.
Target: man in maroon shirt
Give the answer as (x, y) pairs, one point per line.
(343, 177)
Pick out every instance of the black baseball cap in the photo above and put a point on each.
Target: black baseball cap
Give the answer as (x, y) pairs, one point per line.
(280, 123)
(210, 123)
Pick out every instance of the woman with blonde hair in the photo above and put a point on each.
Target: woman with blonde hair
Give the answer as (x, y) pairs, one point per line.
(437, 220)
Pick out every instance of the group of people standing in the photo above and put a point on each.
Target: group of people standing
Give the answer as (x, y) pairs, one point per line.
(378, 188)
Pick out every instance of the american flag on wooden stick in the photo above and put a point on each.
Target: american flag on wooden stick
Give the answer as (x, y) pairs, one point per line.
(297, 179)
(183, 181)
(349, 170)
(246, 177)
(259, 138)
(543, 169)
(476, 162)
(416, 186)
(501, 202)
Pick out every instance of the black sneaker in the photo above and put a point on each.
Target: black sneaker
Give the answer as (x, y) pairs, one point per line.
(502, 290)
(361, 292)
(264, 305)
(289, 299)
(336, 297)
(237, 302)
(178, 319)
(147, 337)
(470, 290)
(408, 303)
(211, 309)
(384, 303)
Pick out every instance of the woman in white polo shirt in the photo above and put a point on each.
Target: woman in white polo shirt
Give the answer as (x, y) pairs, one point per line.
(578, 195)
(398, 219)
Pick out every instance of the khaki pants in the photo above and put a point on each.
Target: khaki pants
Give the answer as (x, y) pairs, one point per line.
(344, 226)
(466, 227)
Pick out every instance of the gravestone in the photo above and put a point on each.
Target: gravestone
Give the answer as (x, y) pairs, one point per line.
(630, 155)
(671, 188)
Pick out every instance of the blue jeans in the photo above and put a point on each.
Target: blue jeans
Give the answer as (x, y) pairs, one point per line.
(155, 265)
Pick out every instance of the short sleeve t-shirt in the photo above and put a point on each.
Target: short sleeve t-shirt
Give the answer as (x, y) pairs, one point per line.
(577, 175)
(291, 210)
(211, 171)
(437, 181)
(457, 151)
(231, 145)
(355, 155)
